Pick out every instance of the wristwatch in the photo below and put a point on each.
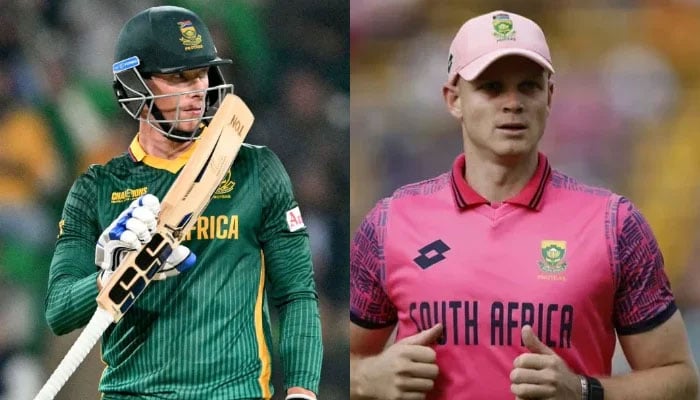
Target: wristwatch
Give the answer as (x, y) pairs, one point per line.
(584, 387)
(595, 389)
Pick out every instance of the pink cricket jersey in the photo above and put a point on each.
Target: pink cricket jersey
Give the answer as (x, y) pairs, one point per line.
(575, 262)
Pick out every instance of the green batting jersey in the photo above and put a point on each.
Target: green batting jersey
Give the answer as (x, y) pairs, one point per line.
(203, 334)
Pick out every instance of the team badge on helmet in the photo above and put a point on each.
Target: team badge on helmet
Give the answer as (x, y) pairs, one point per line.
(190, 38)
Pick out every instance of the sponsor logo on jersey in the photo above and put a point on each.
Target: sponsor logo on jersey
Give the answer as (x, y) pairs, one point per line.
(552, 263)
(294, 221)
(431, 254)
(128, 195)
(226, 186)
(190, 38)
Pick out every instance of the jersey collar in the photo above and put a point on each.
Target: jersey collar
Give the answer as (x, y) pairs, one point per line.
(138, 154)
(530, 196)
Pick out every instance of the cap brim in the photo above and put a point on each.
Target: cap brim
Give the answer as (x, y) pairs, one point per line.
(476, 67)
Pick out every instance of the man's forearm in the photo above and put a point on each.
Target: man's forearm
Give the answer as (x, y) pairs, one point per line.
(356, 387)
(675, 381)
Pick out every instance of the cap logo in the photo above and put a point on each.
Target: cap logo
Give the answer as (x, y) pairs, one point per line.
(449, 62)
(190, 39)
(503, 27)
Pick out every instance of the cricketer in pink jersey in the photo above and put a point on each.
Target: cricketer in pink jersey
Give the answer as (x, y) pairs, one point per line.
(505, 277)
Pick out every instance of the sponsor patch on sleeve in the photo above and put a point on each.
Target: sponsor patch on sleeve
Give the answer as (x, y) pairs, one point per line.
(294, 221)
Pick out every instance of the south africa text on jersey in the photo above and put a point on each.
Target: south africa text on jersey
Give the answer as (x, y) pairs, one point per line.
(214, 227)
(461, 319)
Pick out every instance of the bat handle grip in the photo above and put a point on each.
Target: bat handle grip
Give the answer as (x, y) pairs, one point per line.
(99, 322)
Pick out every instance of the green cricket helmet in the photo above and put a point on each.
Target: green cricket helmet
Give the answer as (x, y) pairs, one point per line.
(165, 40)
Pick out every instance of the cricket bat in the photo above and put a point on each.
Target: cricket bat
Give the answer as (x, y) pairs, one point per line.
(184, 202)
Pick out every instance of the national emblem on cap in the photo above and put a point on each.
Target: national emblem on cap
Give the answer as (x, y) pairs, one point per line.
(503, 27)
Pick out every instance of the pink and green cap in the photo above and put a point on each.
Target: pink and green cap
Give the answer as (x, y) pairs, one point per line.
(488, 37)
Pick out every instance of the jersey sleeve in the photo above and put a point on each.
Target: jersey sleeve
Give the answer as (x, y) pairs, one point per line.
(643, 298)
(370, 307)
(72, 287)
(289, 270)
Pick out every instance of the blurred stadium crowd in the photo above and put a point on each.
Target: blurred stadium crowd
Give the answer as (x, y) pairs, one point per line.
(624, 116)
(58, 115)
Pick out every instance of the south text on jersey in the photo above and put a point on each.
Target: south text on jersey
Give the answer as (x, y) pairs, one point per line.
(553, 323)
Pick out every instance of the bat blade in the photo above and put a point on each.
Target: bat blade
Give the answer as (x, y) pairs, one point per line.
(222, 139)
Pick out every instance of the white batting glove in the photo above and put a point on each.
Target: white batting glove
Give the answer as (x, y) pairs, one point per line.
(129, 231)
(133, 228)
(180, 260)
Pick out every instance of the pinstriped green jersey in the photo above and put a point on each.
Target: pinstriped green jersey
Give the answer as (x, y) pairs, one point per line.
(204, 334)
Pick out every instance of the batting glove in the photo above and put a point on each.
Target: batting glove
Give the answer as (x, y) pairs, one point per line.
(133, 228)
(180, 260)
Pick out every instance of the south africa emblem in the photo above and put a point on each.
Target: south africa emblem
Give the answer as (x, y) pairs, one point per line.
(553, 252)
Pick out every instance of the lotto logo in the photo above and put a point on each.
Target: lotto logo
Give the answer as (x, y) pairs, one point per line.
(431, 254)
(294, 221)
